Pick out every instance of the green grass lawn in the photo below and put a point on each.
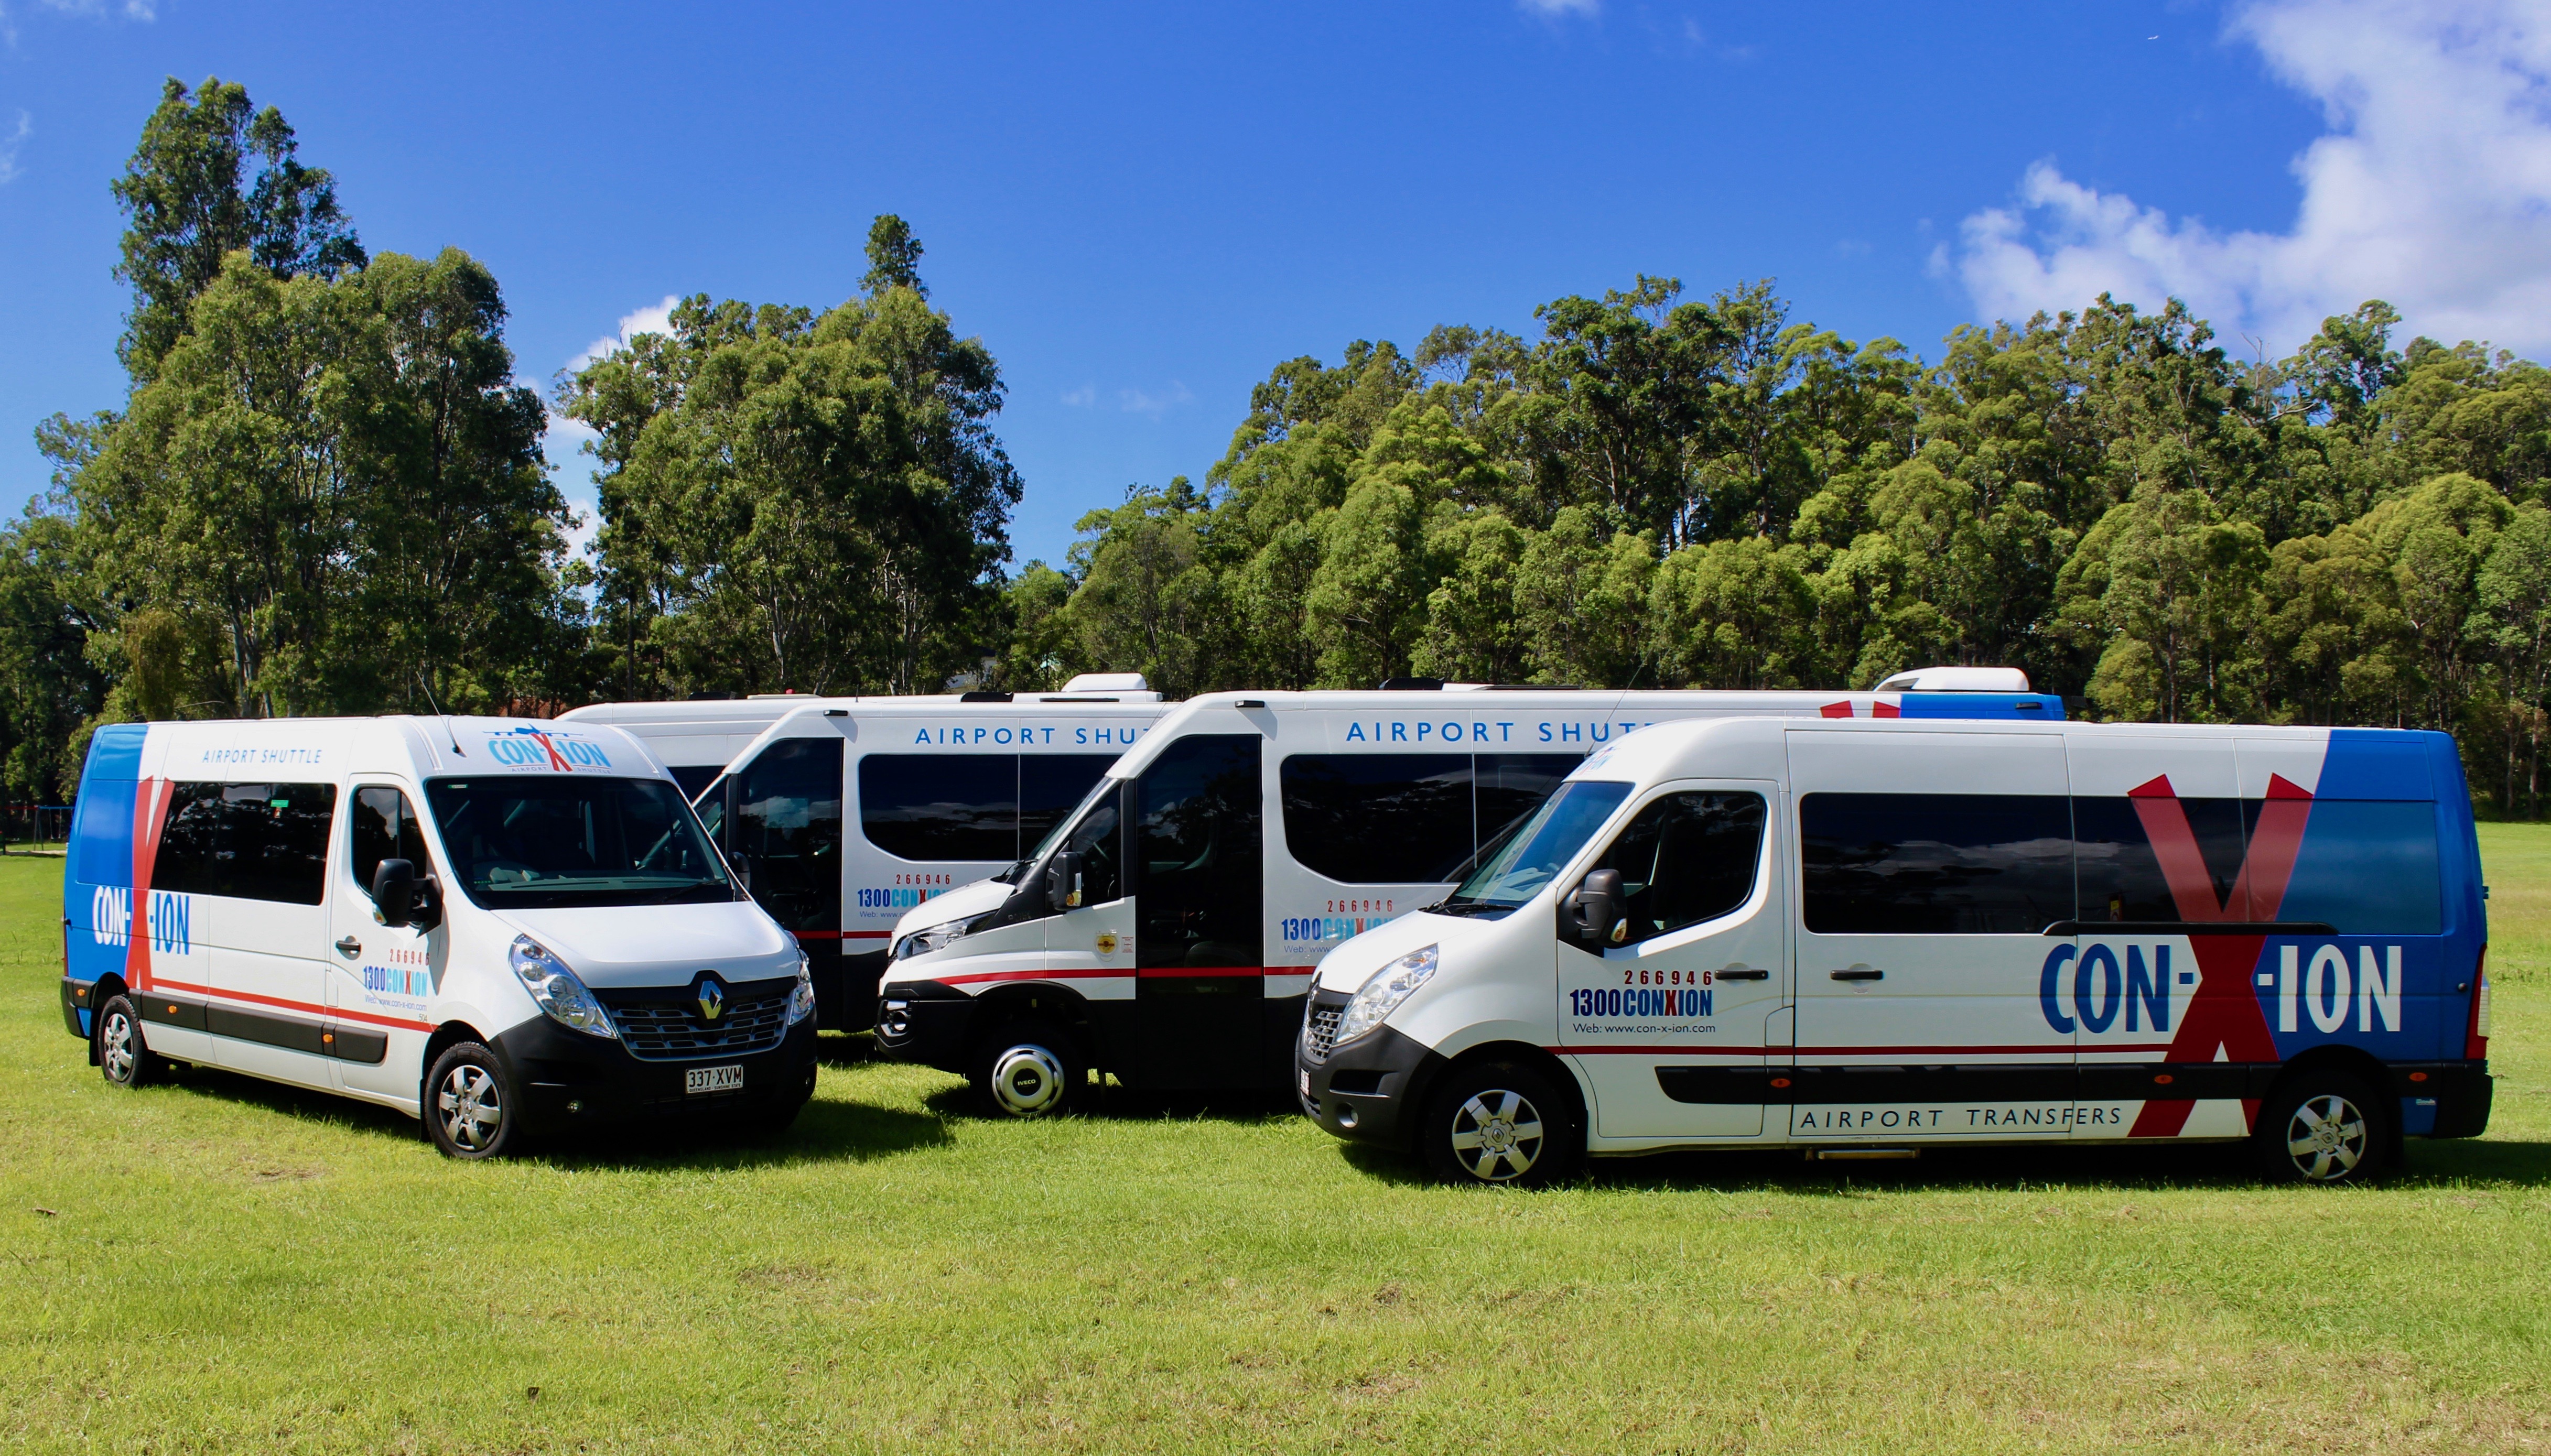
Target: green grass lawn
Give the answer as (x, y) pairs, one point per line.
(222, 1264)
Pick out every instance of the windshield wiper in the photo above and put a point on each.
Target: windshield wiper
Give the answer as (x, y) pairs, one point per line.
(1460, 907)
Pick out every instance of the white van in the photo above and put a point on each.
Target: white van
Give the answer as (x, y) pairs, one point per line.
(1864, 937)
(697, 738)
(1168, 932)
(843, 816)
(505, 927)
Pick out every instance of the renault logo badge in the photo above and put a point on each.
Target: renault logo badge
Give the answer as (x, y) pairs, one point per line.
(712, 998)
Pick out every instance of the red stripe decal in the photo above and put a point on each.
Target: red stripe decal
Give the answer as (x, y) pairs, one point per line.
(1834, 710)
(341, 1013)
(1150, 973)
(1030, 976)
(1884, 709)
(2225, 1013)
(1822, 1051)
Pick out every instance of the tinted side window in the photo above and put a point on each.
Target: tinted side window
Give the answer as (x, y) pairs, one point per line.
(385, 827)
(941, 806)
(1687, 858)
(1051, 785)
(787, 831)
(692, 777)
(249, 841)
(1510, 786)
(1196, 842)
(1377, 819)
(2120, 876)
(1935, 864)
(2369, 868)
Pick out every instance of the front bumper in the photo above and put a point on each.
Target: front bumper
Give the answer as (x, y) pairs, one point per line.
(1366, 1090)
(927, 1022)
(566, 1081)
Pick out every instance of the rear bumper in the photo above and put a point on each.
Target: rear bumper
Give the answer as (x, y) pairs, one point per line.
(1365, 1091)
(78, 1008)
(566, 1081)
(2443, 1098)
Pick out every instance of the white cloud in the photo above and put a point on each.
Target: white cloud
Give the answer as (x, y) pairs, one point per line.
(1556, 8)
(1082, 398)
(9, 147)
(655, 318)
(1143, 401)
(2431, 190)
(100, 9)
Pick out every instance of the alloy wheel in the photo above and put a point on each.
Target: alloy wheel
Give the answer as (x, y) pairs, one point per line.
(1497, 1135)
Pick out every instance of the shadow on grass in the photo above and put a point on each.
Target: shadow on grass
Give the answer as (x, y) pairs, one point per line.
(825, 1131)
(2426, 1164)
(1119, 1104)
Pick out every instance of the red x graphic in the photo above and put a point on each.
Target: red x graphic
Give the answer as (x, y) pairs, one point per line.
(150, 816)
(2223, 1017)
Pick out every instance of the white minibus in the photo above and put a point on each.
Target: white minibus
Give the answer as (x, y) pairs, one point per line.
(1166, 932)
(697, 738)
(502, 925)
(840, 815)
(1865, 937)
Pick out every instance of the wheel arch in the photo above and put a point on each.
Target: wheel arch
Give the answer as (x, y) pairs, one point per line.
(2353, 1060)
(105, 989)
(1513, 1053)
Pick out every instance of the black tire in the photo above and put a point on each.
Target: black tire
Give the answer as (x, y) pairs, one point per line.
(471, 1109)
(2328, 1128)
(1029, 1069)
(124, 1053)
(1497, 1123)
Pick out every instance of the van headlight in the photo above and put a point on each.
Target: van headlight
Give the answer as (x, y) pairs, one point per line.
(1383, 991)
(557, 991)
(801, 1001)
(932, 938)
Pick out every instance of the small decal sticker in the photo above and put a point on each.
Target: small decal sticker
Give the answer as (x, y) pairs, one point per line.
(1107, 944)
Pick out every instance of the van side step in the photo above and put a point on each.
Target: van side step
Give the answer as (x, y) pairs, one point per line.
(1861, 1154)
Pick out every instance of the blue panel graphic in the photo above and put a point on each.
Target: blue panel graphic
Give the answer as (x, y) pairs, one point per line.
(2376, 763)
(2043, 707)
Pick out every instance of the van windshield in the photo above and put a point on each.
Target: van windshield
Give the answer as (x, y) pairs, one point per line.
(542, 841)
(1521, 866)
(1062, 827)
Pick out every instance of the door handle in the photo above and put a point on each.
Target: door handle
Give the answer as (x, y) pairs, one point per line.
(350, 946)
(1740, 973)
(1860, 973)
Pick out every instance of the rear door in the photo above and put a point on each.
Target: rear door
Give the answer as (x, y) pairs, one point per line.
(1195, 844)
(1932, 865)
(1668, 1019)
(255, 858)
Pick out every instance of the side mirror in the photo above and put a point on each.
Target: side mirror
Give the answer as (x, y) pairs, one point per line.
(1593, 911)
(1063, 881)
(395, 889)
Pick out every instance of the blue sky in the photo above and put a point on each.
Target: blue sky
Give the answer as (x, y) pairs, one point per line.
(1141, 209)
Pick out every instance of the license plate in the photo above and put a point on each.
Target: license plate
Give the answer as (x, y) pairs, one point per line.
(1306, 1080)
(713, 1079)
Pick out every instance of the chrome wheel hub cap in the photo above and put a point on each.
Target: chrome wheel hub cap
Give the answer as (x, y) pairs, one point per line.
(1497, 1135)
(115, 1048)
(471, 1109)
(2326, 1138)
(1027, 1081)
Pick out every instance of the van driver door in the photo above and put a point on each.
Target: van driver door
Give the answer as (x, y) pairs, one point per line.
(1668, 1016)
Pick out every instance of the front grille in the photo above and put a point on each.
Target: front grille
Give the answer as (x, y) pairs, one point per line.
(664, 1024)
(1320, 1029)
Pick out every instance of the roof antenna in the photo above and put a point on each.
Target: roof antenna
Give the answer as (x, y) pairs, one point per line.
(438, 712)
